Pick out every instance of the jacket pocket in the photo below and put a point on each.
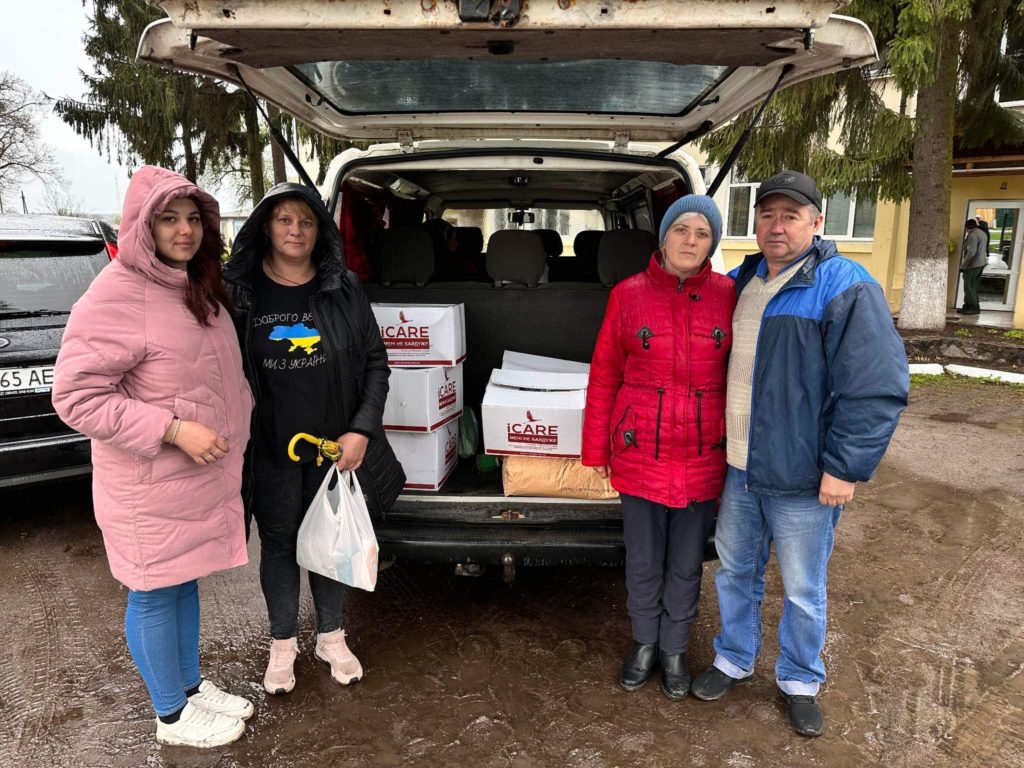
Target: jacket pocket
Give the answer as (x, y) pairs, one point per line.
(657, 423)
(624, 432)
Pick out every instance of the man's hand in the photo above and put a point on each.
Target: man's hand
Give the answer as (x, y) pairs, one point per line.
(834, 491)
(604, 471)
(353, 449)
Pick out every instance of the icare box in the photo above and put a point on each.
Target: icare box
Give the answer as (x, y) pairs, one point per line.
(428, 458)
(534, 413)
(423, 399)
(422, 334)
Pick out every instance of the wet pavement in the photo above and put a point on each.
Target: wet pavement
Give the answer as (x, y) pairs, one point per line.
(925, 644)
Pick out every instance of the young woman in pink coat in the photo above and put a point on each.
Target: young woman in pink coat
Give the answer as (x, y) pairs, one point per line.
(150, 369)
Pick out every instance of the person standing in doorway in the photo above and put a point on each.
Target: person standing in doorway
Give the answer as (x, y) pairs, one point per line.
(817, 380)
(973, 258)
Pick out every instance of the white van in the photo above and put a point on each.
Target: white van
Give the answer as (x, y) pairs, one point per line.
(524, 118)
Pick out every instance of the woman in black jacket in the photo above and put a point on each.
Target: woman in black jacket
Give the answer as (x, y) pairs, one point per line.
(316, 363)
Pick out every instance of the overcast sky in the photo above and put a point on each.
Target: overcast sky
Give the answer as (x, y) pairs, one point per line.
(42, 44)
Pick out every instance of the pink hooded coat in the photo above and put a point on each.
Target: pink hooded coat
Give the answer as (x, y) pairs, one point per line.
(134, 357)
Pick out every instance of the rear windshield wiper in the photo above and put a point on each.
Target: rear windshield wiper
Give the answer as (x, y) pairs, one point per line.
(36, 313)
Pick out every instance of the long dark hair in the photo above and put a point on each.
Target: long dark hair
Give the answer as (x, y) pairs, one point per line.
(204, 292)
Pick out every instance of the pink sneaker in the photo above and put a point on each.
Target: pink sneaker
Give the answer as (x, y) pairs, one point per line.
(332, 649)
(280, 674)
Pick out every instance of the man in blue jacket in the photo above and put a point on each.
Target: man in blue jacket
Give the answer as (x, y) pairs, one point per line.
(817, 380)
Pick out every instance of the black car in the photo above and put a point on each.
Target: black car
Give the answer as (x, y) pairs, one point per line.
(46, 263)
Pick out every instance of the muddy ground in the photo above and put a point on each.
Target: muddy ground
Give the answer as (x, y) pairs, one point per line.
(925, 645)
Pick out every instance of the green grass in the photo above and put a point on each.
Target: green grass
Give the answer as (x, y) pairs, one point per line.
(1015, 333)
(961, 332)
(952, 379)
(920, 379)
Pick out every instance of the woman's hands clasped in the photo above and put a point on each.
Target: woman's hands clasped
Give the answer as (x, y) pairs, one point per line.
(353, 449)
(199, 442)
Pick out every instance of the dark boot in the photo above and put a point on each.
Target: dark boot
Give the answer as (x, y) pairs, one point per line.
(804, 714)
(675, 680)
(713, 684)
(638, 666)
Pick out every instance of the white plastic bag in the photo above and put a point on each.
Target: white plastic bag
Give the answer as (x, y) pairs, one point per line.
(336, 537)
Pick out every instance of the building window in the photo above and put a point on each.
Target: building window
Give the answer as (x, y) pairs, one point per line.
(741, 207)
(846, 217)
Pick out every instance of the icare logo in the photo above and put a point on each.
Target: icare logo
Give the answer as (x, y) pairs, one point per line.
(446, 393)
(532, 431)
(451, 446)
(405, 335)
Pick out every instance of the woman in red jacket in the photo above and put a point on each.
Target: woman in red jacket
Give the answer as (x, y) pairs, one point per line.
(655, 424)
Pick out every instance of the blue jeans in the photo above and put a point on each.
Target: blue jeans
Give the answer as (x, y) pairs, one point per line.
(803, 532)
(162, 628)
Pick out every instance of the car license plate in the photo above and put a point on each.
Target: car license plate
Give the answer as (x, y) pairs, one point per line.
(17, 380)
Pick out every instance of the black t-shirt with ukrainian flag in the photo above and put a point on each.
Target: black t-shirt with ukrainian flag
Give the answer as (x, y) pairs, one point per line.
(291, 365)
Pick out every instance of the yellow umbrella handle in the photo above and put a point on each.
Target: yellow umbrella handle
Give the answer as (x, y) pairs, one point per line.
(325, 448)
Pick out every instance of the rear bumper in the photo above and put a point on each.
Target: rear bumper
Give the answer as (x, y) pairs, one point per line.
(491, 545)
(44, 459)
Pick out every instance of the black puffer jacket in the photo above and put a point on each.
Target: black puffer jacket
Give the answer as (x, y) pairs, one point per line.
(350, 337)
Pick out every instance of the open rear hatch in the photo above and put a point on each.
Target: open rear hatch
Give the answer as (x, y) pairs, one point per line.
(615, 69)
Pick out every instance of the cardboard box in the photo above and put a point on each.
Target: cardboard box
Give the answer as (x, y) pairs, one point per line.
(422, 335)
(423, 399)
(534, 413)
(428, 458)
(559, 478)
(520, 361)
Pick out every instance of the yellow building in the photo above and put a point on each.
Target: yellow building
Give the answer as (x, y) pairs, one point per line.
(986, 182)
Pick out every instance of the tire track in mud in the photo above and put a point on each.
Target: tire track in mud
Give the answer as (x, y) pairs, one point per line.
(940, 707)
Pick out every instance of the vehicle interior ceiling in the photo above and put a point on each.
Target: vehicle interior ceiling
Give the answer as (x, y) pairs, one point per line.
(523, 289)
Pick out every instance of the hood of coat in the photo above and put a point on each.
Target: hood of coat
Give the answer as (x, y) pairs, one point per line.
(253, 244)
(149, 192)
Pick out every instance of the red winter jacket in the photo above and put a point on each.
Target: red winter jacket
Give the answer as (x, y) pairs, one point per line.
(656, 396)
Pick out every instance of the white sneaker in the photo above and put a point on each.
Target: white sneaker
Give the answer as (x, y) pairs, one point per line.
(199, 728)
(280, 674)
(213, 699)
(332, 649)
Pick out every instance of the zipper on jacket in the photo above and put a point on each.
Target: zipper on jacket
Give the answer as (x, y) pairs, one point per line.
(700, 426)
(657, 426)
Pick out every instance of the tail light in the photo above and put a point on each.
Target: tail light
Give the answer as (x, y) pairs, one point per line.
(112, 250)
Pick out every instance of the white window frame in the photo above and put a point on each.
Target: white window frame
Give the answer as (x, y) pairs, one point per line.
(846, 235)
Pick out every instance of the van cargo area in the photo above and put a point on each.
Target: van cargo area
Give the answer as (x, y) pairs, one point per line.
(530, 243)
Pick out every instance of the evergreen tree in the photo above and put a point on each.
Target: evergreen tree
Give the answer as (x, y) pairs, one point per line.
(947, 54)
(140, 113)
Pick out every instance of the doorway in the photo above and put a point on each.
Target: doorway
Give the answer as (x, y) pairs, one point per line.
(998, 288)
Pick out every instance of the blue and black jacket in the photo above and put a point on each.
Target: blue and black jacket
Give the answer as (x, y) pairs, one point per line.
(830, 376)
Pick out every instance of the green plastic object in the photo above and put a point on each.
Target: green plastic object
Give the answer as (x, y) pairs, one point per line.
(469, 434)
(486, 463)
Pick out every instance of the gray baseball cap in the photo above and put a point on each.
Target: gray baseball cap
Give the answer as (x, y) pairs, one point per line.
(792, 184)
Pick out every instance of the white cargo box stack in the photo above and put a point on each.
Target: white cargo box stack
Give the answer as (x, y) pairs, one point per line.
(428, 458)
(534, 413)
(422, 334)
(423, 399)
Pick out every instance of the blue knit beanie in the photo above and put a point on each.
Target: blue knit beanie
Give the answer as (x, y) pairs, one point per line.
(701, 204)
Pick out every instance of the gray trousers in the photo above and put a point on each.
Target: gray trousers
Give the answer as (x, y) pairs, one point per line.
(664, 564)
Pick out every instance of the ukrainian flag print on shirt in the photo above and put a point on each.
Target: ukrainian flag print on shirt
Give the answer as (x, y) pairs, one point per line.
(299, 335)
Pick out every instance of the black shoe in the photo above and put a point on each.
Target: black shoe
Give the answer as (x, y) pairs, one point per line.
(712, 684)
(804, 714)
(970, 311)
(638, 666)
(959, 310)
(675, 680)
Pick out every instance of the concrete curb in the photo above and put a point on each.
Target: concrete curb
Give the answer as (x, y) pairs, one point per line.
(934, 369)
